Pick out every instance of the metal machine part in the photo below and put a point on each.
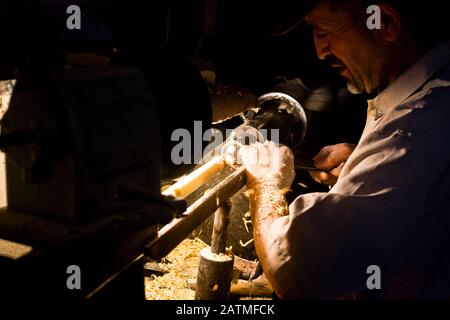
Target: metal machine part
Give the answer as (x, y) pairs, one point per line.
(228, 101)
(312, 99)
(214, 181)
(280, 111)
(277, 117)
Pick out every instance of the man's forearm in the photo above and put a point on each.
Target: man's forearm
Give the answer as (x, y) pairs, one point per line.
(267, 203)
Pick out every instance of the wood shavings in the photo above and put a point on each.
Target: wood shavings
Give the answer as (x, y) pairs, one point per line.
(302, 185)
(245, 244)
(207, 254)
(184, 266)
(247, 220)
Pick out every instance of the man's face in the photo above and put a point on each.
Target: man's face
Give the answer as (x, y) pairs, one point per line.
(344, 42)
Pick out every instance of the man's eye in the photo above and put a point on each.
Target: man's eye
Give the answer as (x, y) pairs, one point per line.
(321, 34)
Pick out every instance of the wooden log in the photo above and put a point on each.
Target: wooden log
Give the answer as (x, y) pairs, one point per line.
(219, 235)
(244, 267)
(214, 275)
(259, 287)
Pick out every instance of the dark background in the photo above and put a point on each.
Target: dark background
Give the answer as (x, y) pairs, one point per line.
(165, 39)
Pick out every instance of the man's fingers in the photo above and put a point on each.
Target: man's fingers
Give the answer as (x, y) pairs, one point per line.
(322, 155)
(264, 154)
(284, 150)
(331, 156)
(327, 177)
(319, 176)
(248, 155)
(324, 159)
(269, 161)
(336, 171)
(324, 177)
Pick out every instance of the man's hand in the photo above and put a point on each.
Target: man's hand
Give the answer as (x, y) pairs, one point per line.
(268, 163)
(331, 159)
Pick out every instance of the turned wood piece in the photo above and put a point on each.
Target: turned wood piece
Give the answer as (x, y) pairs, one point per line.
(219, 234)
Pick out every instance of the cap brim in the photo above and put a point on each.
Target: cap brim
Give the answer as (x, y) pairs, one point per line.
(283, 16)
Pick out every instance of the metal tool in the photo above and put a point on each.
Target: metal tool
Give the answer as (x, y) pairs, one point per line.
(307, 168)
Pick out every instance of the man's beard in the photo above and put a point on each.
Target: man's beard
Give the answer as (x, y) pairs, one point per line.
(353, 89)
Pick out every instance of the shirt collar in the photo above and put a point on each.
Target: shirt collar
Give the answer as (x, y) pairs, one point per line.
(411, 80)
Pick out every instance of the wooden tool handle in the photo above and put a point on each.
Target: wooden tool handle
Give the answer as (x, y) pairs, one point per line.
(195, 179)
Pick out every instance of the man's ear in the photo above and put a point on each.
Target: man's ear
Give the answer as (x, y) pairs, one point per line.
(391, 23)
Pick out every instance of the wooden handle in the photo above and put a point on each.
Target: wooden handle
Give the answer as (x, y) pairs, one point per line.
(195, 179)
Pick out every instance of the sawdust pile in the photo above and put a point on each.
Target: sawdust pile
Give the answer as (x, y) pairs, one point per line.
(181, 265)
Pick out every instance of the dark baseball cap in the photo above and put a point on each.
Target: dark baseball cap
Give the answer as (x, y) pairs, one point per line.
(280, 17)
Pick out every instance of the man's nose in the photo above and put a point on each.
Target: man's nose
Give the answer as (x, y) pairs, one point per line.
(322, 47)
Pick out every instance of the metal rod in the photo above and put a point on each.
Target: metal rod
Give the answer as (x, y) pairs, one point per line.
(308, 168)
(177, 230)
